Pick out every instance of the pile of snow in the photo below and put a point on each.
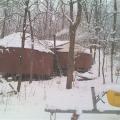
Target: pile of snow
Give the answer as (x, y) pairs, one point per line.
(15, 40)
(82, 76)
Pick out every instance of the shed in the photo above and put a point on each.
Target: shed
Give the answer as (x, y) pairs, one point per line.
(11, 55)
(83, 62)
(83, 58)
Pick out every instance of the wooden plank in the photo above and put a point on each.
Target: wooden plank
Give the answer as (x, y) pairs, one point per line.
(83, 111)
(101, 112)
(60, 111)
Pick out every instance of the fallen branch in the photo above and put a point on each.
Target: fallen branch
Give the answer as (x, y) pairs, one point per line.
(12, 89)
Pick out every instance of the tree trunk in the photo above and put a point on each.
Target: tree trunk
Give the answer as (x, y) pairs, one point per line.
(71, 58)
(100, 15)
(97, 20)
(32, 48)
(112, 49)
(4, 23)
(63, 22)
(72, 33)
(23, 42)
(99, 62)
(46, 19)
(114, 32)
(103, 66)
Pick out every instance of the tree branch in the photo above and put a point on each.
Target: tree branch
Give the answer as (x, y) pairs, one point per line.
(67, 17)
(79, 11)
(64, 2)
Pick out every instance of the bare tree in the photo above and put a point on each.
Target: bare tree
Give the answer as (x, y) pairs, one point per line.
(113, 35)
(32, 47)
(23, 41)
(72, 34)
(5, 11)
(4, 24)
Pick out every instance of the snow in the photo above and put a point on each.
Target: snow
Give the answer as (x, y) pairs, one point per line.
(114, 87)
(34, 98)
(50, 43)
(77, 49)
(62, 32)
(63, 46)
(87, 75)
(15, 40)
(5, 87)
(84, 36)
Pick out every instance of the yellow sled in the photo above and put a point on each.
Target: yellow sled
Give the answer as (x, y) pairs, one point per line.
(113, 98)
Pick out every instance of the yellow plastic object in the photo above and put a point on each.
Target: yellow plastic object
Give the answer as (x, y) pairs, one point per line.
(113, 98)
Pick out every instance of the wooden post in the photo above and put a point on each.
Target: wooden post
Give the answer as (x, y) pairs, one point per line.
(54, 37)
(75, 116)
(94, 99)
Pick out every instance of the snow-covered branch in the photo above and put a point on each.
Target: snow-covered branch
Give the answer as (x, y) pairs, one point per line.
(78, 17)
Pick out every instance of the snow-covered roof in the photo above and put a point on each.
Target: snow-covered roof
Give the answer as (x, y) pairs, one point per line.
(50, 43)
(77, 49)
(64, 46)
(15, 40)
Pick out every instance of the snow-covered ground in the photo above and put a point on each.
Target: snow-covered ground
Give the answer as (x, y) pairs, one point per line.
(34, 98)
(31, 102)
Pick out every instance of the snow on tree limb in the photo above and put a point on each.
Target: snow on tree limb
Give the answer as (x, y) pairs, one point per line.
(67, 17)
(78, 17)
